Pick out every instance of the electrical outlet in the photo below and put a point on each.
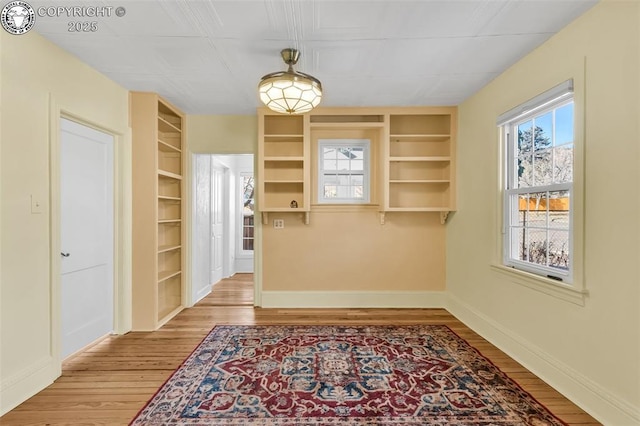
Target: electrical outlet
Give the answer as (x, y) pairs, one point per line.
(278, 223)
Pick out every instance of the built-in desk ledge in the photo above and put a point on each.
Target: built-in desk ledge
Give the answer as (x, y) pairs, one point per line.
(443, 214)
(568, 292)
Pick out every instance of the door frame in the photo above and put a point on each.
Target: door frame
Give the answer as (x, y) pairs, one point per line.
(225, 214)
(122, 218)
(257, 236)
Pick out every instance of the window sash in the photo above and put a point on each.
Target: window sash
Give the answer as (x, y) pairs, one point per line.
(324, 175)
(512, 190)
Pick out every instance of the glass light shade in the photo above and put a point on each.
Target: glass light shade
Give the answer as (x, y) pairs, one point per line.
(290, 92)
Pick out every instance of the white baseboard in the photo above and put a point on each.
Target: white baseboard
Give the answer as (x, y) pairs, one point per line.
(591, 397)
(20, 386)
(353, 299)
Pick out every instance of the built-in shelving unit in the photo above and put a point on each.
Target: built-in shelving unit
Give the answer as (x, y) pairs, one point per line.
(416, 156)
(158, 210)
(283, 175)
(420, 162)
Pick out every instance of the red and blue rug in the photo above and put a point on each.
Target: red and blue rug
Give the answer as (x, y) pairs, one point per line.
(335, 375)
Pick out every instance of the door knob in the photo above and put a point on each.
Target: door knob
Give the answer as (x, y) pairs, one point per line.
(65, 254)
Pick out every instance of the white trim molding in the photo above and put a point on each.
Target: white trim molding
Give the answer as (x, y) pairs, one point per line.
(590, 396)
(353, 299)
(19, 387)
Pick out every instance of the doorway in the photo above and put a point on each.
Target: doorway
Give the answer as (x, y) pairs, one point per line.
(222, 233)
(86, 236)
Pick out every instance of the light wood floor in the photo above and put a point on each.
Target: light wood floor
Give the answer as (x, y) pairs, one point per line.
(111, 382)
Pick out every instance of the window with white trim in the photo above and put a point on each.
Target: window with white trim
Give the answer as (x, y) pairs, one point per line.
(343, 171)
(538, 212)
(247, 211)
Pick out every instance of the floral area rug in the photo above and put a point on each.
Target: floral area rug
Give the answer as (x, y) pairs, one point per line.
(335, 375)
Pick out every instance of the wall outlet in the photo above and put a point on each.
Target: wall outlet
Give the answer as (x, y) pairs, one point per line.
(278, 223)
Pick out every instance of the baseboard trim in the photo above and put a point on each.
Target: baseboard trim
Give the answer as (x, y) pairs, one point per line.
(585, 393)
(19, 387)
(353, 299)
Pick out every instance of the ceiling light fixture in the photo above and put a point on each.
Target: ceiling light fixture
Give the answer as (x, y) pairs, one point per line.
(290, 92)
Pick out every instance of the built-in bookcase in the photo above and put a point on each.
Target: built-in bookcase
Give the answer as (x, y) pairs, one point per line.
(283, 155)
(415, 157)
(420, 162)
(158, 210)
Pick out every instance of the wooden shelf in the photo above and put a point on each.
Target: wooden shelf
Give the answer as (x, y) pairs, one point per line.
(165, 275)
(167, 127)
(267, 137)
(418, 137)
(166, 174)
(283, 158)
(418, 181)
(167, 147)
(419, 159)
(170, 247)
(158, 210)
(347, 125)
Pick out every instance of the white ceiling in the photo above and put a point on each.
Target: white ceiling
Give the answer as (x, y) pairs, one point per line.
(207, 56)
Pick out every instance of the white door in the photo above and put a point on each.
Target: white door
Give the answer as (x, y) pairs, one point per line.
(201, 227)
(217, 222)
(86, 207)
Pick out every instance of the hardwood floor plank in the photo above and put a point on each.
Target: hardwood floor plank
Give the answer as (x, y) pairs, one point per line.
(109, 383)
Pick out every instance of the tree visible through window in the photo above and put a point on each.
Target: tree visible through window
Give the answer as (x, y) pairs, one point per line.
(247, 212)
(538, 190)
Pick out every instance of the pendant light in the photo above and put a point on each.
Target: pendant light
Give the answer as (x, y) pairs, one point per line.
(290, 92)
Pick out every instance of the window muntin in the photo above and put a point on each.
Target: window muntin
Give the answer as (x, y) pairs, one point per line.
(343, 171)
(539, 184)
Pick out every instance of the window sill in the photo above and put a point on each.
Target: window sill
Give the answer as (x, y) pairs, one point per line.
(344, 207)
(542, 284)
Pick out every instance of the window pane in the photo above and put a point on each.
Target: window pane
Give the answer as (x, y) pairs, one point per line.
(563, 164)
(330, 165)
(543, 168)
(537, 246)
(357, 180)
(559, 249)
(357, 165)
(559, 204)
(518, 244)
(343, 165)
(519, 209)
(330, 191)
(542, 131)
(343, 179)
(524, 138)
(564, 124)
(537, 216)
(525, 171)
(329, 153)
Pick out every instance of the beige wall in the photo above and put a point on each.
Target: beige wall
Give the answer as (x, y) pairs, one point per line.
(352, 251)
(32, 70)
(222, 134)
(590, 352)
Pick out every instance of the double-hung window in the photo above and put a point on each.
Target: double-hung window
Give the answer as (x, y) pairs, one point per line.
(538, 191)
(343, 170)
(248, 208)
